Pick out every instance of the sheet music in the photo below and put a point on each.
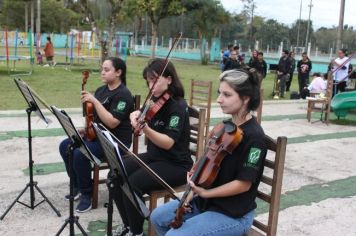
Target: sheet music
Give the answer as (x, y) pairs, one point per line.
(109, 137)
(71, 131)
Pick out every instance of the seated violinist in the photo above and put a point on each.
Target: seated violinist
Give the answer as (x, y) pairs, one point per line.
(112, 104)
(167, 153)
(227, 206)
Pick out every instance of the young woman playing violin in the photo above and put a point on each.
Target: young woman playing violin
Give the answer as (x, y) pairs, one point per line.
(167, 152)
(112, 104)
(226, 207)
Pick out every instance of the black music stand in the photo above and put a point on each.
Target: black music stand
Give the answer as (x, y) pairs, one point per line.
(117, 175)
(32, 106)
(76, 142)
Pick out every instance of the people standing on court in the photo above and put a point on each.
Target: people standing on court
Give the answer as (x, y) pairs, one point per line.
(341, 75)
(113, 103)
(292, 68)
(284, 66)
(304, 67)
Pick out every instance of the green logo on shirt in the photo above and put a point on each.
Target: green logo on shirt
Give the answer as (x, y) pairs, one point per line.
(173, 123)
(121, 106)
(253, 157)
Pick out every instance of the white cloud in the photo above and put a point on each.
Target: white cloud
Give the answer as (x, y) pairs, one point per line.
(324, 12)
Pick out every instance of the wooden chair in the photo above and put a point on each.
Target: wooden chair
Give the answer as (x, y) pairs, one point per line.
(197, 129)
(104, 165)
(270, 187)
(324, 102)
(200, 97)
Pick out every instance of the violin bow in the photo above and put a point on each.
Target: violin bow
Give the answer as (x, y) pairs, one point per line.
(164, 184)
(165, 64)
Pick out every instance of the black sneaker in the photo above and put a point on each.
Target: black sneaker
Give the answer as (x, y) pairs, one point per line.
(84, 204)
(121, 230)
(76, 194)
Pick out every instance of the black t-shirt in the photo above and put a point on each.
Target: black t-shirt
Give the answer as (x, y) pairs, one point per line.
(173, 120)
(119, 102)
(304, 67)
(245, 164)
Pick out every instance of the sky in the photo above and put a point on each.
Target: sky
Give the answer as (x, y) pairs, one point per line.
(324, 13)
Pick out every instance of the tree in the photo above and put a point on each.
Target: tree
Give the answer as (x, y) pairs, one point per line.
(158, 10)
(52, 13)
(103, 16)
(303, 24)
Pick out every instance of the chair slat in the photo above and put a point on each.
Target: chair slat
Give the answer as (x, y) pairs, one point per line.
(267, 180)
(263, 196)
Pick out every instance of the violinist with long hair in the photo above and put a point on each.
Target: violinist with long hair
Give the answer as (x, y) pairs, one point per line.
(112, 104)
(167, 133)
(227, 206)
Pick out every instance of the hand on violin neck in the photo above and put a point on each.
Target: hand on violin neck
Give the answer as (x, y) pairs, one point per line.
(202, 192)
(87, 97)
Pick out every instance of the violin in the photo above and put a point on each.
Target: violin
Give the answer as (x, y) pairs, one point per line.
(222, 140)
(150, 108)
(88, 112)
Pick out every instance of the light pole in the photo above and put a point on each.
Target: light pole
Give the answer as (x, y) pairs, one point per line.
(307, 37)
(341, 25)
(300, 18)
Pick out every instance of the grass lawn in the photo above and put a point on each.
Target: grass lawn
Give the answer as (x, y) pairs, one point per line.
(61, 87)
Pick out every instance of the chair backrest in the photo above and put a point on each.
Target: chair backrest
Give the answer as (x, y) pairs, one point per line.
(200, 97)
(270, 186)
(135, 138)
(197, 129)
(329, 85)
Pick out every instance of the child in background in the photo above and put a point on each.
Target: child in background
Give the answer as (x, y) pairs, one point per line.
(39, 58)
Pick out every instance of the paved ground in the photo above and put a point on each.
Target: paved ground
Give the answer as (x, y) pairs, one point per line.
(319, 194)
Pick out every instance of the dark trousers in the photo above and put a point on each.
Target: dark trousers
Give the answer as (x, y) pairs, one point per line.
(143, 183)
(303, 81)
(81, 164)
(289, 82)
(339, 86)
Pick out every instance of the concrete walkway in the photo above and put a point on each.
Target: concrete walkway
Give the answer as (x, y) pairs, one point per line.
(319, 194)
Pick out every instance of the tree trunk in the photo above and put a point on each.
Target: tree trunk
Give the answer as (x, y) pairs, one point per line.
(153, 40)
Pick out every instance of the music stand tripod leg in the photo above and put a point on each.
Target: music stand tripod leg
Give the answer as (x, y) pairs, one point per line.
(72, 219)
(110, 184)
(13, 203)
(31, 184)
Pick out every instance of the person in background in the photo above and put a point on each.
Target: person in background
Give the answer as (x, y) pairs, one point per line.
(226, 56)
(233, 61)
(292, 68)
(39, 58)
(318, 85)
(304, 67)
(341, 75)
(283, 72)
(260, 65)
(49, 52)
(254, 57)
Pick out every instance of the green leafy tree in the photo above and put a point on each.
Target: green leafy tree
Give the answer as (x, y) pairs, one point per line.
(54, 16)
(302, 25)
(158, 10)
(103, 16)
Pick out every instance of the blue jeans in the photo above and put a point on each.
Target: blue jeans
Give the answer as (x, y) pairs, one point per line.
(199, 223)
(81, 165)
